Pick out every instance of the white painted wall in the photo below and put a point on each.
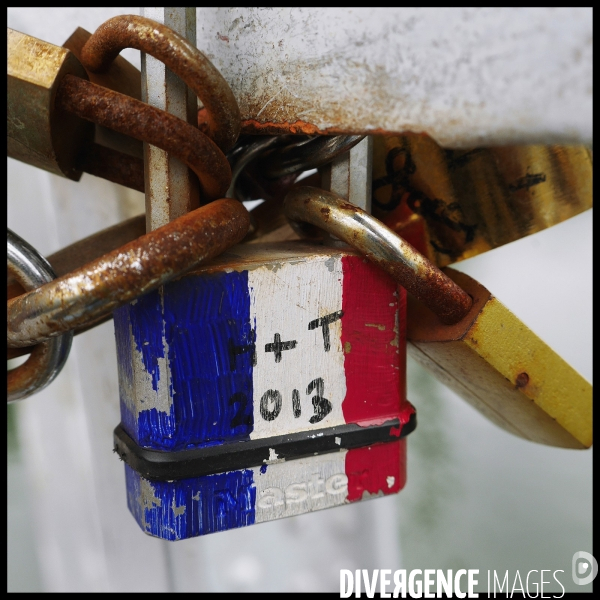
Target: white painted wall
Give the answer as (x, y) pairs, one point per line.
(476, 497)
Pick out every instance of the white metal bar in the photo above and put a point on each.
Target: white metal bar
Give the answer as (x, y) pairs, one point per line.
(351, 174)
(171, 189)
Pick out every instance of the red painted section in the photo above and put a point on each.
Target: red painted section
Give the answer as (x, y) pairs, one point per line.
(371, 469)
(374, 344)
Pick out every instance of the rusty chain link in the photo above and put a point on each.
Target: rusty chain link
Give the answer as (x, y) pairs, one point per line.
(186, 61)
(87, 295)
(96, 289)
(149, 124)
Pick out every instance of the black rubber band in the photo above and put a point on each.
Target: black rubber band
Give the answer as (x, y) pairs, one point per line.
(184, 464)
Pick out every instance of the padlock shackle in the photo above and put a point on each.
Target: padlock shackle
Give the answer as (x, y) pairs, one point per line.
(46, 361)
(381, 246)
(100, 286)
(181, 57)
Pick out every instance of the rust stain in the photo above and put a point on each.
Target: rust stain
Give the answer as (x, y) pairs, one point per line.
(299, 127)
(223, 38)
(350, 207)
(522, 380)
(272, 128)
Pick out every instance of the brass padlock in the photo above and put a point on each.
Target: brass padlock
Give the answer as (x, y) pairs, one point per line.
(36, 134)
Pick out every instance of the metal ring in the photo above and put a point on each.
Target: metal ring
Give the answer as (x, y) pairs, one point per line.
(46, 360)
(381, 246)
(296, 156)
(78, 254)
(149, 124)
(240, 157)
(308, 154)
(97, 288)
(186, 61)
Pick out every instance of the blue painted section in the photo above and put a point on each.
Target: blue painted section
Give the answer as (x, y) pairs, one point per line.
(205, 317)
(205, 320)
(191, 507)
(144, 315)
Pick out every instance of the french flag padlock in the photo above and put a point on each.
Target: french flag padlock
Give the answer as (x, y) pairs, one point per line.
(267, 383)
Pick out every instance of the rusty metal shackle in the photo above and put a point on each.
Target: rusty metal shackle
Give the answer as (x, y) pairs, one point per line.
(184, 59)
(47, 359)
(381, 246)
(149, 124)
(100, 286)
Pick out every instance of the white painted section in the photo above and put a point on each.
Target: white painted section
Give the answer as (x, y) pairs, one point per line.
(284, 299)
(466, 76)
(300, 486)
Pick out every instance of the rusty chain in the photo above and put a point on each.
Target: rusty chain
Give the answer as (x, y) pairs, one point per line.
(110, 280)
(97, 288)
(149, 124)
(185, 60)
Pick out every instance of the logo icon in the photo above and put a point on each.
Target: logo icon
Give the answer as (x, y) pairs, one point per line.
(585, 568)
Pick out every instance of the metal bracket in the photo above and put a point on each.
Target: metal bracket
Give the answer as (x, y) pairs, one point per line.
(171, 188)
